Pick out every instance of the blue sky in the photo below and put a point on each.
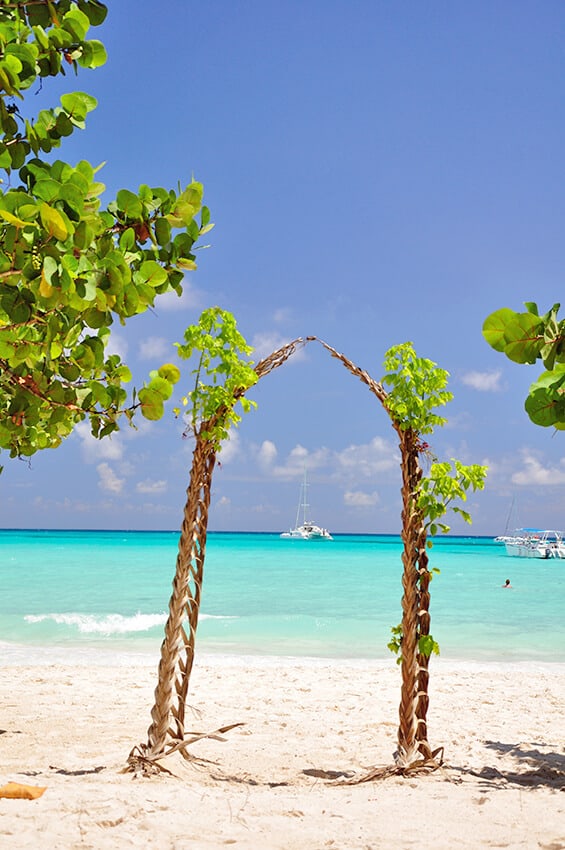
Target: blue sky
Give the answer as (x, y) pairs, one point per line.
(378, 172)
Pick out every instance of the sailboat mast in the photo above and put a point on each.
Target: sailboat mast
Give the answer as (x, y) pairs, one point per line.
(305, 497)
(510, 515)
(302, 502)
(298, 509)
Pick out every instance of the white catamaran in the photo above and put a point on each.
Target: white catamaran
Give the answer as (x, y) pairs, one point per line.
(305, 530)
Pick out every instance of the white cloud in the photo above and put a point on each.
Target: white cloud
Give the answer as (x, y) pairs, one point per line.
(267, 454)
(171, 302)
(93, 450)
(299, 458)
(223, 502)
(231, 448)
(155, 346)
(350, 465)
(358, 499)
(148, 486)
(534, 473)
(108, 480)
(367, 460)
(486, 382)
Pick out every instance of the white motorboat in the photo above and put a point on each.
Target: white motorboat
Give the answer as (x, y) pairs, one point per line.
(534, 543)
(305, 530)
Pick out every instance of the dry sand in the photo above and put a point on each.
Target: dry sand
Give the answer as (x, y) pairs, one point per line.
(69, 727)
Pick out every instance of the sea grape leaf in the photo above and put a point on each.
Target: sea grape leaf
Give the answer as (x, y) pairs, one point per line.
(53, 222)
(545, 404)
(523, 339)
(129, 204)
(504, 327)
(93, 54)
(95, 11)
(78, 104)
(150, 272)
(161, 386)
(151, 403)
(170, 372)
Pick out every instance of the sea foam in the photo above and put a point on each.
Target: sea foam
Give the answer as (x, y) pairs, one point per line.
(108, 624)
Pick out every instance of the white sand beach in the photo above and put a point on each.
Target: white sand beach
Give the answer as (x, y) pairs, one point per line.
(68, 727)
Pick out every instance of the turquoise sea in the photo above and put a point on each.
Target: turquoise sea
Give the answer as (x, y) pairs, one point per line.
(109, 590)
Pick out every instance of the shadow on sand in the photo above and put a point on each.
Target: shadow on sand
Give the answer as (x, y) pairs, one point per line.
(534, 768)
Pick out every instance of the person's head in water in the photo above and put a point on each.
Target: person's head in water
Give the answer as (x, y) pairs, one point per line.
(507, 583)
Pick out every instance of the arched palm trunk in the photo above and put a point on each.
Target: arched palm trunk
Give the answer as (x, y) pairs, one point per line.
(413, 747)
(167, 733)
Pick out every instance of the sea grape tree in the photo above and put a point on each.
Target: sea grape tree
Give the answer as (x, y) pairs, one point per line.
(526, 338)
(70, 266)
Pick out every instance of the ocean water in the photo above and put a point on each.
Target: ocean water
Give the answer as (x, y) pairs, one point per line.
(109, 590)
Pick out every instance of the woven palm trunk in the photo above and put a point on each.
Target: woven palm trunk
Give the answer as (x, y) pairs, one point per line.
(413, 747)
(422, 700)
(412, 731)
(167, 731)
(177, 649)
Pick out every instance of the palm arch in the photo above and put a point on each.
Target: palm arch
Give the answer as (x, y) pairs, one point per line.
(166, 733)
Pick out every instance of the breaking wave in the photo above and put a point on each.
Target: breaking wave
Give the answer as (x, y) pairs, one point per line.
(108, 624)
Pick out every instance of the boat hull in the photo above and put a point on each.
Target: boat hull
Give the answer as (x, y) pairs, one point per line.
(518, 550)
(307, 532)
(533, 543)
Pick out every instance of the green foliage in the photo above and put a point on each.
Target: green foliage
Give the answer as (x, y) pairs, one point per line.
(417, 386)
(68, 267)
(160, 388)
(443, 485)
(427, 645)
(526, 338)
(395, 643)
(222, 374)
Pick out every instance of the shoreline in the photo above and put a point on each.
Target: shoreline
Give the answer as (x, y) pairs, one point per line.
(69, 728)
(28, 655)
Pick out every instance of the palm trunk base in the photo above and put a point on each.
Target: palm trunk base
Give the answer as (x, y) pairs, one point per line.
(417, 767)
(143, 761)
